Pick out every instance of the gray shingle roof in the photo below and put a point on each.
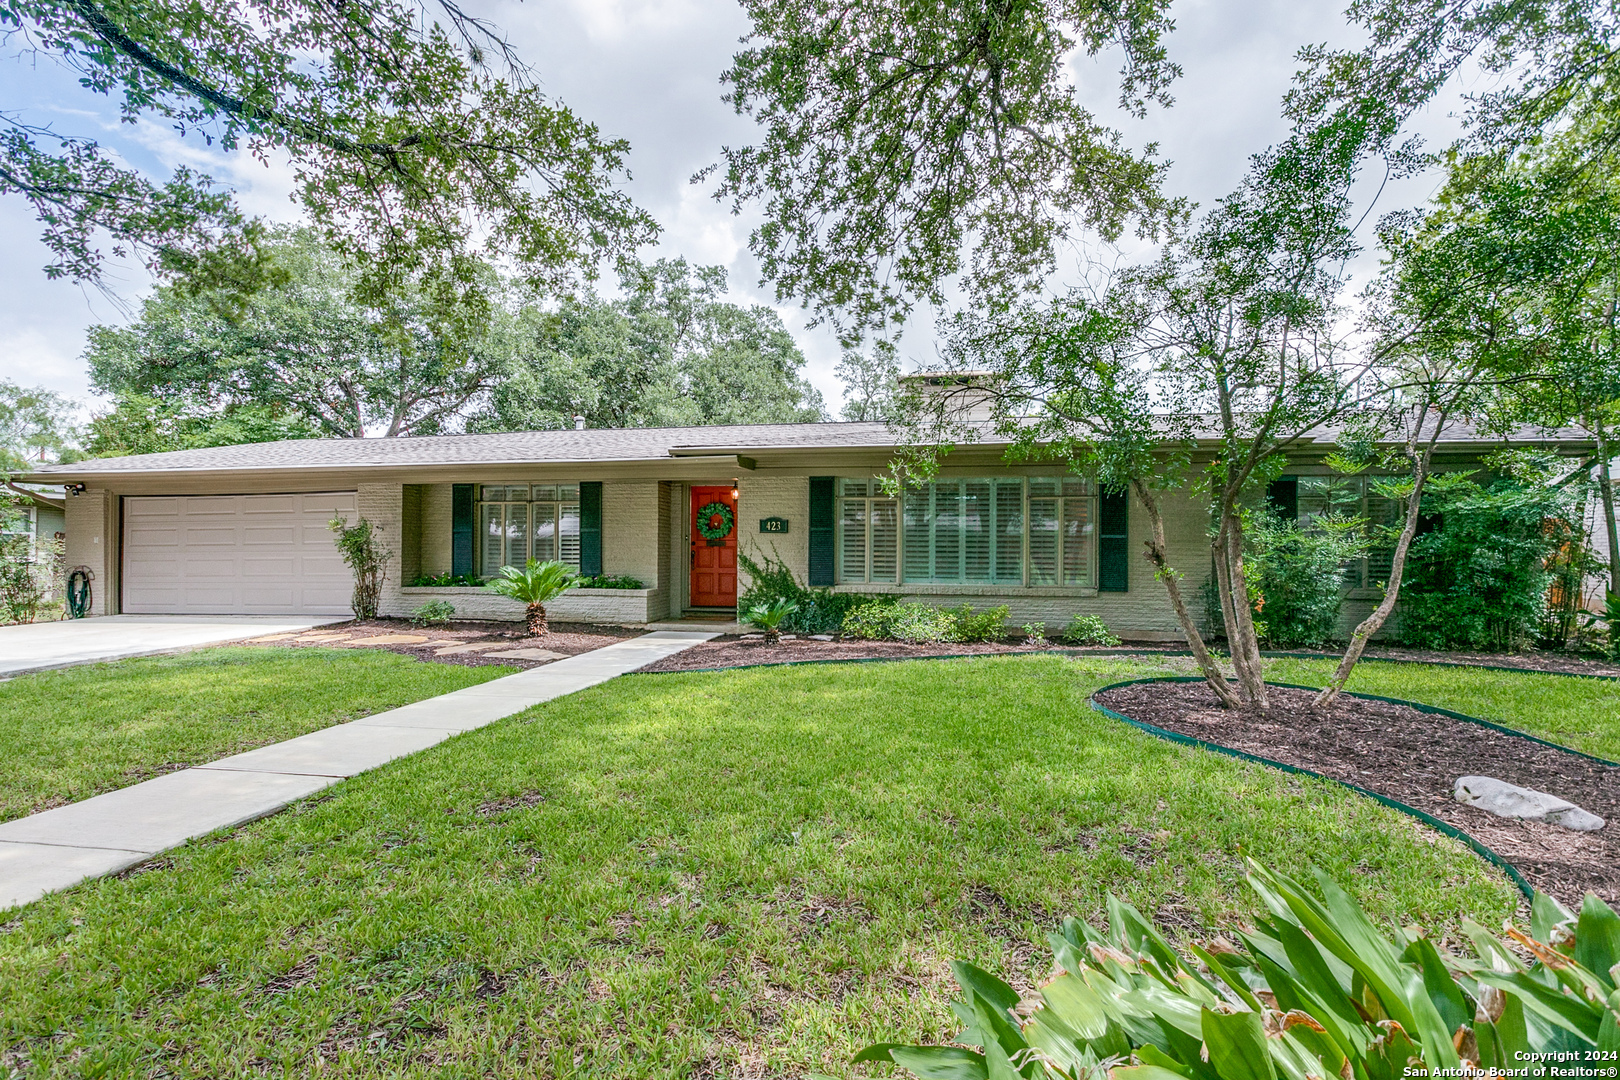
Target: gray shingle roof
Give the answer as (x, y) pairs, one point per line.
(593, 445)
(517, 447)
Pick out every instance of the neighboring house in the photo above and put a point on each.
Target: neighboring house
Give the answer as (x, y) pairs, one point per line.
(244, 528)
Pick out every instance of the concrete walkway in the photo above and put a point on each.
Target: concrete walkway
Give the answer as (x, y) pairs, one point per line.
(113, 637)
(52, 850)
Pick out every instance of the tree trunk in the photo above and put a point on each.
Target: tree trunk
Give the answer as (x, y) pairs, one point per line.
(1172, 583)
(1392, 591)
(537, 621)
(773, 636)
(1606, 492)
(1241, 638)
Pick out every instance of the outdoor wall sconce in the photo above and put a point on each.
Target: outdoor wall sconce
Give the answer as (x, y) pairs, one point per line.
(735, 494)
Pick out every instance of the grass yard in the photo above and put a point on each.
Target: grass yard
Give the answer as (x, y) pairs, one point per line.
(1576, 712)
(75, 732)
(744, 873)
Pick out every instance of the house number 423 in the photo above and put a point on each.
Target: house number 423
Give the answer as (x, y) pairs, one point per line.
(773, 525)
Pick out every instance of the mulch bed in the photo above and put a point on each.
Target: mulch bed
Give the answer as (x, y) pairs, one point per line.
(733, 650)
(740, 651)
(1415, 758)
(568, 639)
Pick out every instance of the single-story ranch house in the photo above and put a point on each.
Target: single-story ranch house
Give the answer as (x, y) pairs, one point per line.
(243, 529)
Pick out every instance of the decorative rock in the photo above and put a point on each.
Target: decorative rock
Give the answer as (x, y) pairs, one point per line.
(1511, 801)
(453, 650)
(390, 639)
(821, 637)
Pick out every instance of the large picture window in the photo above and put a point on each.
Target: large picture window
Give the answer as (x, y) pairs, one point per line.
(519, 522)
(990, 531)
(1352, 496)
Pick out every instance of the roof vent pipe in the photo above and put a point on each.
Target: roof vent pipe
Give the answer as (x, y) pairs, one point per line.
(579, 422)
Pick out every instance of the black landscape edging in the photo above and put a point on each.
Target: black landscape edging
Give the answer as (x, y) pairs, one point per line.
(1487, 853)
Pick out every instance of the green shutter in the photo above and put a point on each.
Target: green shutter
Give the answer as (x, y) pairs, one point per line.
(1283, 495)
(461, 528)
(590, 528)
(1113, 543)
(822, 541)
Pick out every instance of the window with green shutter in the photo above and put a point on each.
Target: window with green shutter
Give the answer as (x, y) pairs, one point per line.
(519, 522)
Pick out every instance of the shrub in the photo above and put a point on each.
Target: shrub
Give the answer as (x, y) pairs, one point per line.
(1035, 635)
(433, 613)
(819, 610)
(446, 581)
(769, 617)
(1296, 576)
(536, 584)
(1089, 630)
(604, 581)
(366, 556)
(28, 571)
(1316, 990)
(988, 625)
(872, 621)
(1479, 580)
(923, 624)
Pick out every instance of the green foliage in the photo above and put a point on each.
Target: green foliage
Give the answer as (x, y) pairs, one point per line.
(1035, 634)
(819, 610)
(871, 382)
(535, 582)
(1316, 990)
(139, 424)
(1479, 580)
(609, 581)
(988, 625)
(27, 570)
(36, 425)
(1609, 620)
(1089, 630)
(1296, 576)
(417, 140)
(364, 554)
(902, 145)
(433, 613)
(446, 580)
(670, 351)
(769, 617)
(885, 619)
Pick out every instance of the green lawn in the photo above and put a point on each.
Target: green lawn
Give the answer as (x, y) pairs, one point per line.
(72, 733)
(1575, 712)
(744, 873)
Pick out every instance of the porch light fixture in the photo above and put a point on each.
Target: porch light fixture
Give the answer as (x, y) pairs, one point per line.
(735, 494)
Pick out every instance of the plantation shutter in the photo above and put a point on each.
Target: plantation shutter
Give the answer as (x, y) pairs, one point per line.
(823, 530)
(1283, 495)
(461, 529)
(1113, 542)
(590, 527)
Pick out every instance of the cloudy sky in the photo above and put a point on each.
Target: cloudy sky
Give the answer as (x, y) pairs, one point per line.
(648, 71)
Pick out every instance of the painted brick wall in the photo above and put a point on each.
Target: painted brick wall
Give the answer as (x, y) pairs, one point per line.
(92, 540)
(382, 505)
(619, 606)
(630, 529)
(762, 497)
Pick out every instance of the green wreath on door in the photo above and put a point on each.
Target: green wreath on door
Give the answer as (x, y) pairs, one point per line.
(706, 526)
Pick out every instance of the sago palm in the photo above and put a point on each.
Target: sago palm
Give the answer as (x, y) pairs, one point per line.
(769, 618)
(536, 585)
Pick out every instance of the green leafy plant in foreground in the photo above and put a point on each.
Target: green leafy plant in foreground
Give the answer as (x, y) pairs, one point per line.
(1089, 630)
(536, 585)
(609, 581)
(1316, 991)
(433, 613)
(769, 618)
(446, 580)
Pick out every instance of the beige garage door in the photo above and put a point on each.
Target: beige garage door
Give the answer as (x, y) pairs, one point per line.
(235, 555)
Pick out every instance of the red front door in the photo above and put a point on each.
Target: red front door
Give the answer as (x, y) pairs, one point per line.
(714, 557)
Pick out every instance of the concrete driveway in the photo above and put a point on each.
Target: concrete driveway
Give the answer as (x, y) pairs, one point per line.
(79, 641)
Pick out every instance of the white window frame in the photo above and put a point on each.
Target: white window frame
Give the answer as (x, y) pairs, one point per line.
(556, 506)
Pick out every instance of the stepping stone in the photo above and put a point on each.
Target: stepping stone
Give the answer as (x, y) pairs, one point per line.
(275, 637)
(452, 650)
(1526, 804)
(529, 654)
(391, 639)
